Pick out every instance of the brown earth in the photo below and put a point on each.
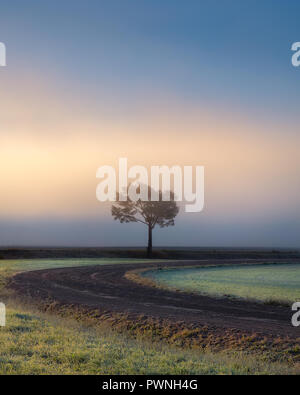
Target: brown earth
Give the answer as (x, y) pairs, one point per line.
(105, 293)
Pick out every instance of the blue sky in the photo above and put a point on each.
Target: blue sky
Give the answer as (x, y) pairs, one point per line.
(230, 53)
(98, 70)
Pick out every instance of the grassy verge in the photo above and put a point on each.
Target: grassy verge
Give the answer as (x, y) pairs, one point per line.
(37, 343)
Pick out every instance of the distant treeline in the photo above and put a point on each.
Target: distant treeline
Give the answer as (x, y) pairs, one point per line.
(158, 253)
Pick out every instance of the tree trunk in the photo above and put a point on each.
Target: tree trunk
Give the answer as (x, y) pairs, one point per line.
(149, 249)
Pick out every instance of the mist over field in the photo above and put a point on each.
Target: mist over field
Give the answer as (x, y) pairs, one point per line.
(104, 232)
(89, 84)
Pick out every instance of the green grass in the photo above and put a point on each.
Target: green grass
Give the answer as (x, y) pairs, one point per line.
(37, 264)
(37, 343)
(265, 282)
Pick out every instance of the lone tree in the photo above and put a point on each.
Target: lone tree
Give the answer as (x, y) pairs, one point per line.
(149, 213)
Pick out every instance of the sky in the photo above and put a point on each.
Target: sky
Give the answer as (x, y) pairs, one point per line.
(162, 83)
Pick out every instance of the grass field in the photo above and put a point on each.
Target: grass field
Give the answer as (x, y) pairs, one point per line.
(266, 282)
(32, 343)
(37, 264)
(35, 343)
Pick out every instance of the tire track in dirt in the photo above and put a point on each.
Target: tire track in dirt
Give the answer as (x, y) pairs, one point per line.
(107, 289)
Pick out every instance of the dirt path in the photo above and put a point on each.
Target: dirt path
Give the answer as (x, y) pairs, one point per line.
(105, 288)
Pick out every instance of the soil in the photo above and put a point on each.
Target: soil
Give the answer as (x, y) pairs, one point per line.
(106, 289)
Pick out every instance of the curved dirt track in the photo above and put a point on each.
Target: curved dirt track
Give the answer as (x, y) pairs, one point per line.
(104, 288)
